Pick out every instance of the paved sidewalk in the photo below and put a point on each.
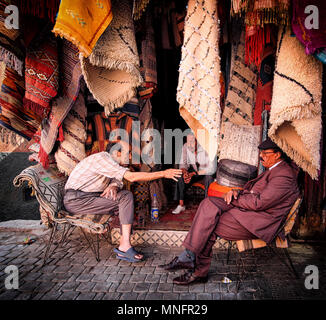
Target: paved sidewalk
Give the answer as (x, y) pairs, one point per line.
(74, 274)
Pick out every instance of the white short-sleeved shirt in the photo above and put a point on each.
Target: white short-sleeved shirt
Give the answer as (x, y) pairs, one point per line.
(95, 173)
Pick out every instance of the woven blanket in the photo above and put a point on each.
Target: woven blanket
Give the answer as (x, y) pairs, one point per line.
(241, 94)
(12, 114)
(139, 8)
(260, 12)
(72, 150)
(240, 143)
(296, 104)
(147, 57)
(11, 44)
(198, 91)
(83, 22)
(41, 74)
(112, 72)
(71, 75)
(312, 39)
(44, 9)
(99, 127)
(48, 186)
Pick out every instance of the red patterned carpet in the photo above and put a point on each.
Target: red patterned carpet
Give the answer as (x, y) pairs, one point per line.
(170, 221)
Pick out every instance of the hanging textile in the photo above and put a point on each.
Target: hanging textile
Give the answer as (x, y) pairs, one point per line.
(265, 83)
(260, 12)
(314, 38)
(296, 104)
(83, 22)
(12, 114)
(112, 72)
(139, 8)
(41, 74)
(147, 57)
(99, 127)
(44, 9)
(198, 91)
(241, 94)
(72, 150)
(11, 43)
(240, 143)
(60, 107)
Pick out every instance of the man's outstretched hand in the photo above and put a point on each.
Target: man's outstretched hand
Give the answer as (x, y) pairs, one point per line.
(172, 174)
(228, 197)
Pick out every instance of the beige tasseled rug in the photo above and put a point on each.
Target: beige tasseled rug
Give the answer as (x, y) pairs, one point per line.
(198, 91)
(296, 104)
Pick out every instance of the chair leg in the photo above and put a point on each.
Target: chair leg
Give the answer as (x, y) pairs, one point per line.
(290, 265)
(286, 252)
(50, 242)
(94, 247)
(229, 252)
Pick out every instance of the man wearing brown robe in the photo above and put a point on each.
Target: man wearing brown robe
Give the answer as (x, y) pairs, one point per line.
(255, 212)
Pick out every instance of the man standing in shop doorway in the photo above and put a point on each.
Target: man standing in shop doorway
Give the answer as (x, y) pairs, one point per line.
(195, 166)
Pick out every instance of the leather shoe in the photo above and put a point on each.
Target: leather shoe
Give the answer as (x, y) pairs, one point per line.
(175, 264)
(188, 278)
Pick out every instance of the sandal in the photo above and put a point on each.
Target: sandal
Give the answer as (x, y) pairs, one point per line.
(129, 255)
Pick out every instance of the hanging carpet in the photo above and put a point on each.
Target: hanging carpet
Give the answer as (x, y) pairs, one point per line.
(12, 49)
(296, 104)
(241, 94)
(112, 71)
(83, 22)
(41, 74)
(198, 91)
(71, 76)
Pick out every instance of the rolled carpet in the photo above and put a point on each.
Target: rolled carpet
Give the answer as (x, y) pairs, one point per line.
(296, 103)
(112, 71)
(72, 150)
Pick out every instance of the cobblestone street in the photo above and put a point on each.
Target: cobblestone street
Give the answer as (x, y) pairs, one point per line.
(74, 274)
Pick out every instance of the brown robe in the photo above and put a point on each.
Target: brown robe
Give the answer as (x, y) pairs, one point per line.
(257, 213)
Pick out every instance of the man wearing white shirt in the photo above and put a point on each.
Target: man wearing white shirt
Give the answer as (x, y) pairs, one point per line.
(196, 166)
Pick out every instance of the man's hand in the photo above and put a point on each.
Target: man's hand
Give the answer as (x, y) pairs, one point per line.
(172, 174)
(230, 195)
(110, 193)
(187, 176)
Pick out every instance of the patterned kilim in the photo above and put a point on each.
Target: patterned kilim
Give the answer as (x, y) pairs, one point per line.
(71, 75)
(41, 74)
(12, 50)
(198, 91)
(12, 114)
(240, 143)
(241, 94)
(112, 71)
(99, 127)
(147, 58)
(296, 103)
(72, 150)
(82, 22)
(141, 194)
(48, 186)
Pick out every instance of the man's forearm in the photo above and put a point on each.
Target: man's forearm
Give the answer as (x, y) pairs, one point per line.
(143, 176)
